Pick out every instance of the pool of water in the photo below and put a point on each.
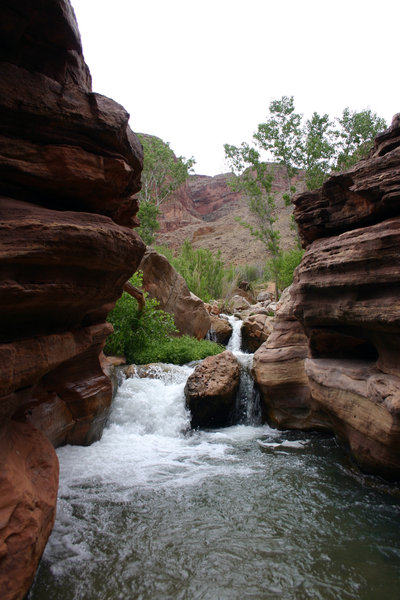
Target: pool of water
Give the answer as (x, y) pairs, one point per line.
(154, 511)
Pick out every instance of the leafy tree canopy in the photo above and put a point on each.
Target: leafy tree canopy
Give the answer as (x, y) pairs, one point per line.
(254, 177)
(316, 147)
(162, 174)
(281, 135)
(355, 136)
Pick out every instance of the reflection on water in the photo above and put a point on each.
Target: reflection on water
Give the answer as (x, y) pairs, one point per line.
(153, 511)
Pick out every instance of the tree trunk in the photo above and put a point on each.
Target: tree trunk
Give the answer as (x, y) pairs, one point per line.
(137, 294)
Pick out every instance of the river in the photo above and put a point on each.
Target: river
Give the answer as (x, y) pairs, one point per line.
(156, 511)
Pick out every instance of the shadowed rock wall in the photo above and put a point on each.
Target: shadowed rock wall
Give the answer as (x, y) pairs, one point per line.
(69, 169)
(346, 300)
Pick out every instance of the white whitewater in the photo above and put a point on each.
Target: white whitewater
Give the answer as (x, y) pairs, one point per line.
(248, 399)
(154, 511)
(147, 445)
(147, 441)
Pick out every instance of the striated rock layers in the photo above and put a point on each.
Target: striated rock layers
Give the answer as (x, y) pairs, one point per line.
(279, 370)
(28, 488)
(205, 211)
(346, 297)
(69, 167)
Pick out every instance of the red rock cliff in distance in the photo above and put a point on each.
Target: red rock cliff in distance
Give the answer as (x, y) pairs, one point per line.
(69, 166)
(205, 210)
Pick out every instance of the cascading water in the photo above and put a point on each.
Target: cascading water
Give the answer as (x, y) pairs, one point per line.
(235, 341)
(155, 511)
(248, 400)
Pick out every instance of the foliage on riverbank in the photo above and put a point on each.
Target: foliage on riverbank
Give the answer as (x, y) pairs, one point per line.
(148, 335)
(206, 276)
(285, 266)
(202, 269)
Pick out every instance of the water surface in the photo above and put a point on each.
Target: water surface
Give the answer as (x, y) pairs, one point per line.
(153, 511)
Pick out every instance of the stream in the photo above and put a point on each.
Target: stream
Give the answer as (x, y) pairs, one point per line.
(156, 511)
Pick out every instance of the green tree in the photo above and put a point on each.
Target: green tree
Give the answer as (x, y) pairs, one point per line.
(288, 261)
(162, 174)
(355, 136)
(318, 150)
(254, 178)
(314, 148)
(281, 135)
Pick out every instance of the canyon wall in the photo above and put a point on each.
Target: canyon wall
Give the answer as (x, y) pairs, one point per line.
(346, 302)
(69, 169)
(205, 211)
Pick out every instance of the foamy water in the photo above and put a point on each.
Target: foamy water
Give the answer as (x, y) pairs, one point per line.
(155, 511)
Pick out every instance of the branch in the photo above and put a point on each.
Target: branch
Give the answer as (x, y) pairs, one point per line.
(135, 293)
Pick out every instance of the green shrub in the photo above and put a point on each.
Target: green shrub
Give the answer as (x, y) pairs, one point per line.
(201, 269)
(251, 273)
(285, 265)
(147, 336)
(177, 350)
(165, 251)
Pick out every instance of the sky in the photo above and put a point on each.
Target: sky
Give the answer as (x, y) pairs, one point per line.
(199, 74)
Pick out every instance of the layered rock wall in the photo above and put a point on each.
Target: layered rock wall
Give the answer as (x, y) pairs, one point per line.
(205, 211)
(279, 370)
(346, 300)
(69, 169)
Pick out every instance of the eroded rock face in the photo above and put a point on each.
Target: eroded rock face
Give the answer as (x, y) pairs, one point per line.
(211, 390)
(346, 296)
(366, 194)
(69, 166)
(363, 405)
(238, 303)
(255, 331)
(220, 330)
(279, 371)
(205, 211)
(69, 169)
(28, 494)
(164, 283)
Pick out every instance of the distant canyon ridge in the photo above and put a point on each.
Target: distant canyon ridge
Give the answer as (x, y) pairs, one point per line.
(204, 210)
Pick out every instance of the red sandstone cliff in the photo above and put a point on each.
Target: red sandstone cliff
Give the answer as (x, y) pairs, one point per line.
(205, 210)
(69, 169)
(337, 341)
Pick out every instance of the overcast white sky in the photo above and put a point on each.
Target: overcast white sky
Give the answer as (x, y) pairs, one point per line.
(202, 73)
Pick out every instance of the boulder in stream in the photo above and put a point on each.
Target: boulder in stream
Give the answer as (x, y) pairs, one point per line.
(256, 330)
(211, 390)
(220, 330)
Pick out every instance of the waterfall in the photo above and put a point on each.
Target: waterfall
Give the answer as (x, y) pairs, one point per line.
(151, 509)
(248, 410)
(211, 335)
(235, 341)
